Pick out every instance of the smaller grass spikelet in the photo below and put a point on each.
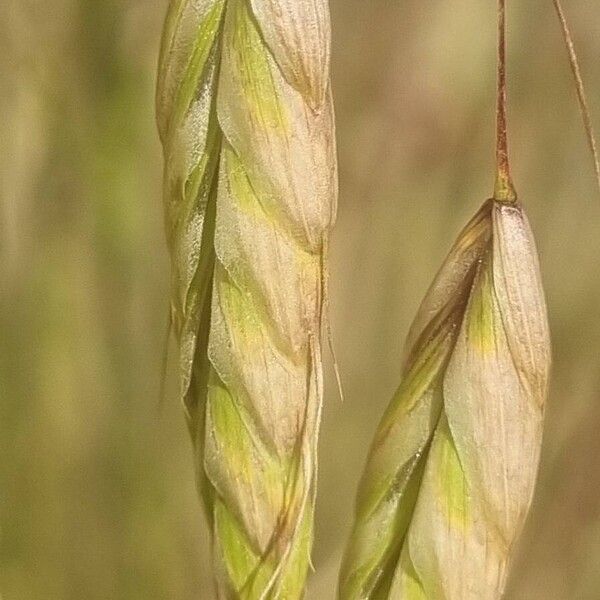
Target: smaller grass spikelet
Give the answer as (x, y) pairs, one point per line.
(452, 469)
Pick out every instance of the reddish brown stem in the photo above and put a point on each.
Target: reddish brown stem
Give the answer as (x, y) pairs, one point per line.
(504, 190)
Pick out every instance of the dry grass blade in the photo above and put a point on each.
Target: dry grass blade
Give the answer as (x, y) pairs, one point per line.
(581, 95)
(246, 120)
(452, 470)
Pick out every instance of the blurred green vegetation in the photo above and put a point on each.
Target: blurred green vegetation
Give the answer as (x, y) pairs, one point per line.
(97, 498)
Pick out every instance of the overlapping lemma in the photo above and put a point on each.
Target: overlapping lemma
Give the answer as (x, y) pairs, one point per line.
(246, 120)
(452, 469)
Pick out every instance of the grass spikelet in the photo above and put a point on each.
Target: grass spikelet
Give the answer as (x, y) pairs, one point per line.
(245, 117)
(451, 472)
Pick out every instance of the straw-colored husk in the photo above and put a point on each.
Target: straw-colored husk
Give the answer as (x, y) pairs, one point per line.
(451, 472)
(246, 120)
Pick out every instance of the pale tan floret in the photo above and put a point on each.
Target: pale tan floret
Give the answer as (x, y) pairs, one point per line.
(452, 470)
(246, 119)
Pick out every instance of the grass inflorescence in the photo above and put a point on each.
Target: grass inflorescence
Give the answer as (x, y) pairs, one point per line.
(245, 116)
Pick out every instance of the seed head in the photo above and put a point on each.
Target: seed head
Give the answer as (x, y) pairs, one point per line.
(246, 120)
(451, 473)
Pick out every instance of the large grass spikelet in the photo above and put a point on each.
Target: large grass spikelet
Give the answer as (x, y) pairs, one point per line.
(245, 117)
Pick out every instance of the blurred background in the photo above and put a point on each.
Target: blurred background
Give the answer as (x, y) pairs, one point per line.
(97, 497)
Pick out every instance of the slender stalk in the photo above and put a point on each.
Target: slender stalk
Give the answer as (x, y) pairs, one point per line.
(581, 95)
(504, 190)
(245, 116)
